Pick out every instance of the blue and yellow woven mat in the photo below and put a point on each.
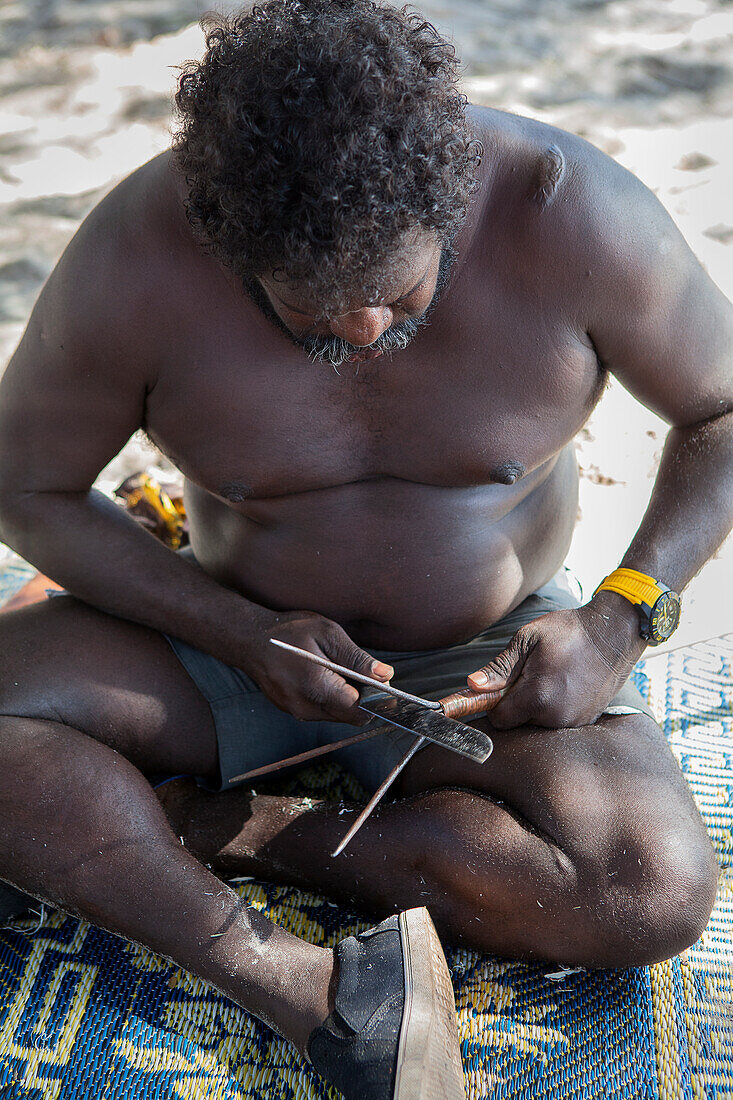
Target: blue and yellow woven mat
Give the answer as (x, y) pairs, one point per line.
(87, 1016)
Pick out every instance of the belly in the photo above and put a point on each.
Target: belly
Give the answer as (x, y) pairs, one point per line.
(400, 565)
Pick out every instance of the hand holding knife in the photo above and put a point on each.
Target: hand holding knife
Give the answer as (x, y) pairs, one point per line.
(431, 720)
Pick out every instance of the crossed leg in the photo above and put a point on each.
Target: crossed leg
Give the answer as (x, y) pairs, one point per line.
(579, 846)
(89, 705)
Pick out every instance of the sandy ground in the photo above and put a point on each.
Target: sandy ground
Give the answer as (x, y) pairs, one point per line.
(85, 91)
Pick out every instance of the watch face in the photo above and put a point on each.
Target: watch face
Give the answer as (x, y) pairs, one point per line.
(664, 617)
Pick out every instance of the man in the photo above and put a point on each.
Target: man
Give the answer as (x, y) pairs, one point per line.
(368, 351)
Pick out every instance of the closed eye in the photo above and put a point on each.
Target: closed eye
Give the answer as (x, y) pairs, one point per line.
(398, 302)
(406, 297)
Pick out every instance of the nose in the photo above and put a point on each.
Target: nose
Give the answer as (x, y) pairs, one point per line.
(363, 326)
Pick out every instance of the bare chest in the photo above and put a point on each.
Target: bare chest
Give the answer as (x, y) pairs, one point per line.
(480, 396)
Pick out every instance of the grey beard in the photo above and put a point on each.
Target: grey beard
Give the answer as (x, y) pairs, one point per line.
(336, 351)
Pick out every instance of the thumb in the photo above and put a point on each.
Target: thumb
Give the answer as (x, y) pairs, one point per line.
(503, 670)
(346, 652)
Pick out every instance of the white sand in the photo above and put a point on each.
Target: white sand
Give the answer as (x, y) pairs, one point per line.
(84, 98)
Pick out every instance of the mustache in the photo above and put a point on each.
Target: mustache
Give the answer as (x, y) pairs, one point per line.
(336, 351)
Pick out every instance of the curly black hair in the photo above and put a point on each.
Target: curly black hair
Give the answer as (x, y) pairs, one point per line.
(315, 134)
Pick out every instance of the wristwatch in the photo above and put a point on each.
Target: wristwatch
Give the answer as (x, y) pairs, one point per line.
(659, 607)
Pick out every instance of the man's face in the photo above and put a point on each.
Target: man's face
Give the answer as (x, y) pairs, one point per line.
(365, 331)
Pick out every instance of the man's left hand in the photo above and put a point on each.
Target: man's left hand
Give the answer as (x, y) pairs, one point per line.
(564, 668)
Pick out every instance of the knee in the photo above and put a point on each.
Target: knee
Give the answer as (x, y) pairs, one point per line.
(639, 896)
(662, 903)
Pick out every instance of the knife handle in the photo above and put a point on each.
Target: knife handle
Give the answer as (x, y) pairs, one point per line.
(464, 703)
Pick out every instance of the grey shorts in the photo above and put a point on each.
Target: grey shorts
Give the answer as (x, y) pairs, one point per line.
(251, 731)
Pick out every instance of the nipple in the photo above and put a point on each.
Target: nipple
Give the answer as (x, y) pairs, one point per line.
(236, 492)
(507, 473)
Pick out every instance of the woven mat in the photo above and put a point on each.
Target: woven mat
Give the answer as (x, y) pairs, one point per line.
(87, 1016)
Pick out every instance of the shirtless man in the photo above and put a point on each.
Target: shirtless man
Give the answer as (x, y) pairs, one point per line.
(421, 500)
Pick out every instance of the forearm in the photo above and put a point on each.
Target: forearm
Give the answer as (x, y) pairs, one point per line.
(88, 544)
(689, 515)
(691, 509)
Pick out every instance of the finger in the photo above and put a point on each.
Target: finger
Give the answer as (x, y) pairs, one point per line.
(381, 671)
(329, 697)
(516, 708)
(541, 699)
(503, 670)
(340, 648)
(486, 679)
(333, 692)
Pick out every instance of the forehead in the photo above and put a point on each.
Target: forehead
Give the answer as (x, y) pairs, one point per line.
(397, 275)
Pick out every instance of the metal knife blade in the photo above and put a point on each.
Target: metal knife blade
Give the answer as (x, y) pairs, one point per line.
(465, 740)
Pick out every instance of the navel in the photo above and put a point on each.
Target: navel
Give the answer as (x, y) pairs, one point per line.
(549, 172)
(507, 473)
(236, 492)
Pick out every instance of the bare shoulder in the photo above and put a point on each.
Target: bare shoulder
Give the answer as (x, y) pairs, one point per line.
(636, 281)
(104, 288)
(77, 386)
(582, 216)
(564, 195)
(612, 223)
(599, 253)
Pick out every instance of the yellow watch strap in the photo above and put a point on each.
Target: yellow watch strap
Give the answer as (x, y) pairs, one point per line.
(636, 587)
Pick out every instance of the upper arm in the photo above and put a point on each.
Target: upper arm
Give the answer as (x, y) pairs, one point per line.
(656, 319)
(75, 389)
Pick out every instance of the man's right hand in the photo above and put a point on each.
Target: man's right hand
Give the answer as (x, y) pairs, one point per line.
(299, 687)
